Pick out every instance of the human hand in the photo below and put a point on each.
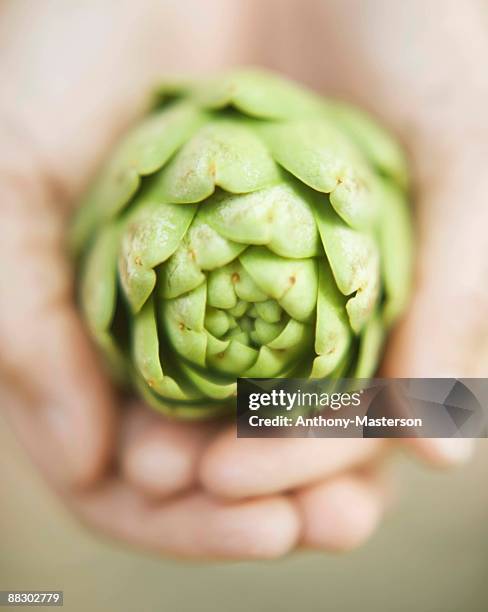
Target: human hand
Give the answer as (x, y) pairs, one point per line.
(166, 483)
(404, 62)
(122, 468)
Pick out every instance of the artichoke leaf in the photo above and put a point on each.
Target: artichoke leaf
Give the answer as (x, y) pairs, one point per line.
(332, 334)
(371, 343)
(146, 354)
(143, 151)
(209, 388)
(239, 310)
(319, 155)
(210, 249)
(396, 240)
(234, 359)
(245, 287)
(99, 280)
(382, 151)
(223, 153)
(99, 293)
(152, 233)
(184, 318)
(291, 282)
(293, 333)
(314, 152)
(278, 217)
(221, 291)
(354, 259)
(217, 321)
(265, 333)
(202, 248)
(273, 362)
(258, 93)
(270, 311)
(180, 410)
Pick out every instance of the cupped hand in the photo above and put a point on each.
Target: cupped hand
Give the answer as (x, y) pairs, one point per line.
(122, 468)
(188, 490)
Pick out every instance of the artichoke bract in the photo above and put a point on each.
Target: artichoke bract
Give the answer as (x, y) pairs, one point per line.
(245, 228)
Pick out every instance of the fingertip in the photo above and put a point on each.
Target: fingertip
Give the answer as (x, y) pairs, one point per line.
(221, 472)
(157, 469)
(340, 515)
(267, 528)
(442, 452)
(246, 467)
(195, 526)
(160, 457)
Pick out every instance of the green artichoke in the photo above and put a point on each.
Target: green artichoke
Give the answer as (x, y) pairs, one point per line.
(245, 228)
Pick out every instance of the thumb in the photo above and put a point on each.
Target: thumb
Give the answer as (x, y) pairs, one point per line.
(445, 333)
(59, 401)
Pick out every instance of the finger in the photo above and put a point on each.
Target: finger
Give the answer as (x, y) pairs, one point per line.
(195, 526)
(340, 514)
(444, 333)
(44, 355)
(242, 467)
(158, 456)
(441, 452)
(131, 45)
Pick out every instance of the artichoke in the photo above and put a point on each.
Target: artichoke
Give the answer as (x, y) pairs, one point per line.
(245, 228)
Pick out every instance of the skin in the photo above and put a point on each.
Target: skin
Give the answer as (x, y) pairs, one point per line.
(198, 491)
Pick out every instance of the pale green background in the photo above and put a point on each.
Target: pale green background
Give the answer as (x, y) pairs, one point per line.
(431, 555)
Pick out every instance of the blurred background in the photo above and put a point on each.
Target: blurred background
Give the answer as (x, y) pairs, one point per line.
(430, 555)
